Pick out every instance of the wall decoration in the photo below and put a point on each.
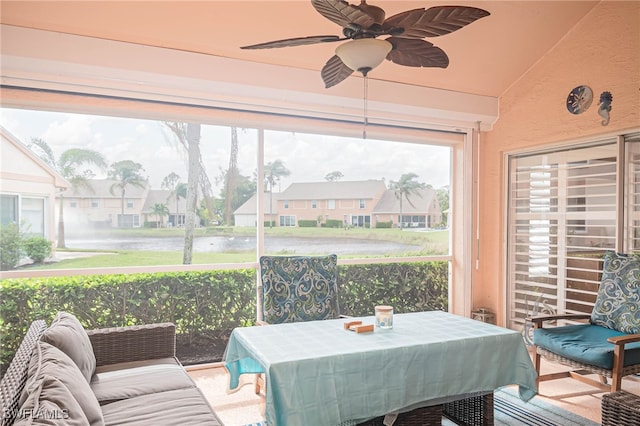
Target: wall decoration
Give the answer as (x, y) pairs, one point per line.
(579, 99)
(604, 107)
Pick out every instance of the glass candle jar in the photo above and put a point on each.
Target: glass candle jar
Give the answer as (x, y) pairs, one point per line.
(384, 317)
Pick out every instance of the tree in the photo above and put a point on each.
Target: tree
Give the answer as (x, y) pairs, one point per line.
(333, 176)
(406, 187)
(192, 136)
(178, 190)
(67, 165)
(443, 200)
(273, 172)
(160, 210)
(125, 173)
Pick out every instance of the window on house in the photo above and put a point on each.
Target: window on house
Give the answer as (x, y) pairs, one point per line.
(361, 203)
(331, 204)
(285, 203)
(314, 204)
(8, 209)
(95, 203)
(73, 202)
(287, 221)
(32, 216)
(562, 217)
(130, 204)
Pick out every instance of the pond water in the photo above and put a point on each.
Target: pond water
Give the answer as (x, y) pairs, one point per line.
(220, 244)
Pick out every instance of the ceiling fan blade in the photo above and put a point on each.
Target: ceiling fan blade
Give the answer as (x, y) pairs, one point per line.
(334, 71)
(342, 13)
(432, 22)
(290, 42)
(416, 53)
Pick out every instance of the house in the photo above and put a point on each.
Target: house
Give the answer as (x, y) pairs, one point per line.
(101, 205)
(28, 187)
(349, 203)
(361, 204)
(246, 214)
(176, 208)
(504, 97)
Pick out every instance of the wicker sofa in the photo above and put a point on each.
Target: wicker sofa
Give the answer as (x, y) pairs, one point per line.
(64, 375)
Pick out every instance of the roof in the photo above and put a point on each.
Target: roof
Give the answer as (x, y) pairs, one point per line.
(164, 196)
(58, 180)
(366, 189)
(251, 206)
(421, 201)
(100, 188)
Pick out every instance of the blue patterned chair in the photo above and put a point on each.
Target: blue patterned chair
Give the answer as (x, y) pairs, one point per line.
(609, 343)
(294, 289)
(299, 288)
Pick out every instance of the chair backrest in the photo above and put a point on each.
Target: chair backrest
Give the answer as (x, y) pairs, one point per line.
(299, 288)
(618, 300)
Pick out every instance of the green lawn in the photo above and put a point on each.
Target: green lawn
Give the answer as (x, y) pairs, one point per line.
(430, 243)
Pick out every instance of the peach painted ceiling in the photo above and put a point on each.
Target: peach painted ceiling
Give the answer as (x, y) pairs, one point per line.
(486, 57)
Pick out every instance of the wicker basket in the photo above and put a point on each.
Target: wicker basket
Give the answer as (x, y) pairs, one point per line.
(426, 416)
(477, 410)
(620, 409)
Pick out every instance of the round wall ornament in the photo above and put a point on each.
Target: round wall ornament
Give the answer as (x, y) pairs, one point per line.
(579, 99)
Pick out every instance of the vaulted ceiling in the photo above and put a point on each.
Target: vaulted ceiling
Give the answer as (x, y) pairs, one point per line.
(486, 57)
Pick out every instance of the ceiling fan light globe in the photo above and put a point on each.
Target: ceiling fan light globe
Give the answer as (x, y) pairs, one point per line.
(363, 54)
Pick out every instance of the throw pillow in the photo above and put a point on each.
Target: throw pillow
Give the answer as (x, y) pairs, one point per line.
(51, 403)
(67, 334)
(618, 302)
(47, 360)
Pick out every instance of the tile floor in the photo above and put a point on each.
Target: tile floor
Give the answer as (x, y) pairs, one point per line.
(245, 407)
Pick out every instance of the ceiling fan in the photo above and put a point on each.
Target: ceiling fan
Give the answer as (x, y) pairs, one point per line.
(363, 23)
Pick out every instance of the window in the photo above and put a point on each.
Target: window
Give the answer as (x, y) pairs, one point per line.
(112, 212)
(562, 217)
(287, 221)
(32, 216)
(8, 209)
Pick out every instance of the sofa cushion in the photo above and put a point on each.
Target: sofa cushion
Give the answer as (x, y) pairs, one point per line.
(182, 407)
(130, 379)
(67, 334)
(51, 403)
(47, 360)
(618, 303)
(586, 343)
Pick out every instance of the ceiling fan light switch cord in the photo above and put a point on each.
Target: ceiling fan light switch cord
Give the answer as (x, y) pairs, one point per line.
(365, 106)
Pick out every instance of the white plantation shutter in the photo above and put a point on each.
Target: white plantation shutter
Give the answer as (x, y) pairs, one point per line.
(562, 217)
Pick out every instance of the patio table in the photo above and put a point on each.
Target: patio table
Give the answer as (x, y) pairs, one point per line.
(318, 373)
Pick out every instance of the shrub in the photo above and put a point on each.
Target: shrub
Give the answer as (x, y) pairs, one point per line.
(333, 223)
(37, 248)
(381, 225)
(307, 223)
(10, 246)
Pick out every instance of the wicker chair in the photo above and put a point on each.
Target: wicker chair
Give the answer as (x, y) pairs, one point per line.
(609, 344)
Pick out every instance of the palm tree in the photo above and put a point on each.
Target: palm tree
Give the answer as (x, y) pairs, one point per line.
(273, 171)
(160, 210)
(178, 190)
(125, 173)
(67, 165)
(405, 188)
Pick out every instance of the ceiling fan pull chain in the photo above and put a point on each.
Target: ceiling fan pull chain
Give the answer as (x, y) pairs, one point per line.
(366, 97)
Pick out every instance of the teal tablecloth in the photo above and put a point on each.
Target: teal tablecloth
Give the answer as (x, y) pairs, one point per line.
(318, 374)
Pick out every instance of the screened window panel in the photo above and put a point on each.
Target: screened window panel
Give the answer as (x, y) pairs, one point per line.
(632, 193)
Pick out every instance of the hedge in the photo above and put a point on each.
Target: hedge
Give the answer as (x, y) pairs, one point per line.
(205, 305)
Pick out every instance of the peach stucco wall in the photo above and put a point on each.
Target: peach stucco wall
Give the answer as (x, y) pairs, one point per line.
(603, 52)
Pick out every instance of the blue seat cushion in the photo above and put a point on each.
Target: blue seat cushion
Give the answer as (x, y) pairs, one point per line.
(585, 343)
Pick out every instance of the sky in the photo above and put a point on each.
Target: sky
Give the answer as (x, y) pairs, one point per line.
(308, 157)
